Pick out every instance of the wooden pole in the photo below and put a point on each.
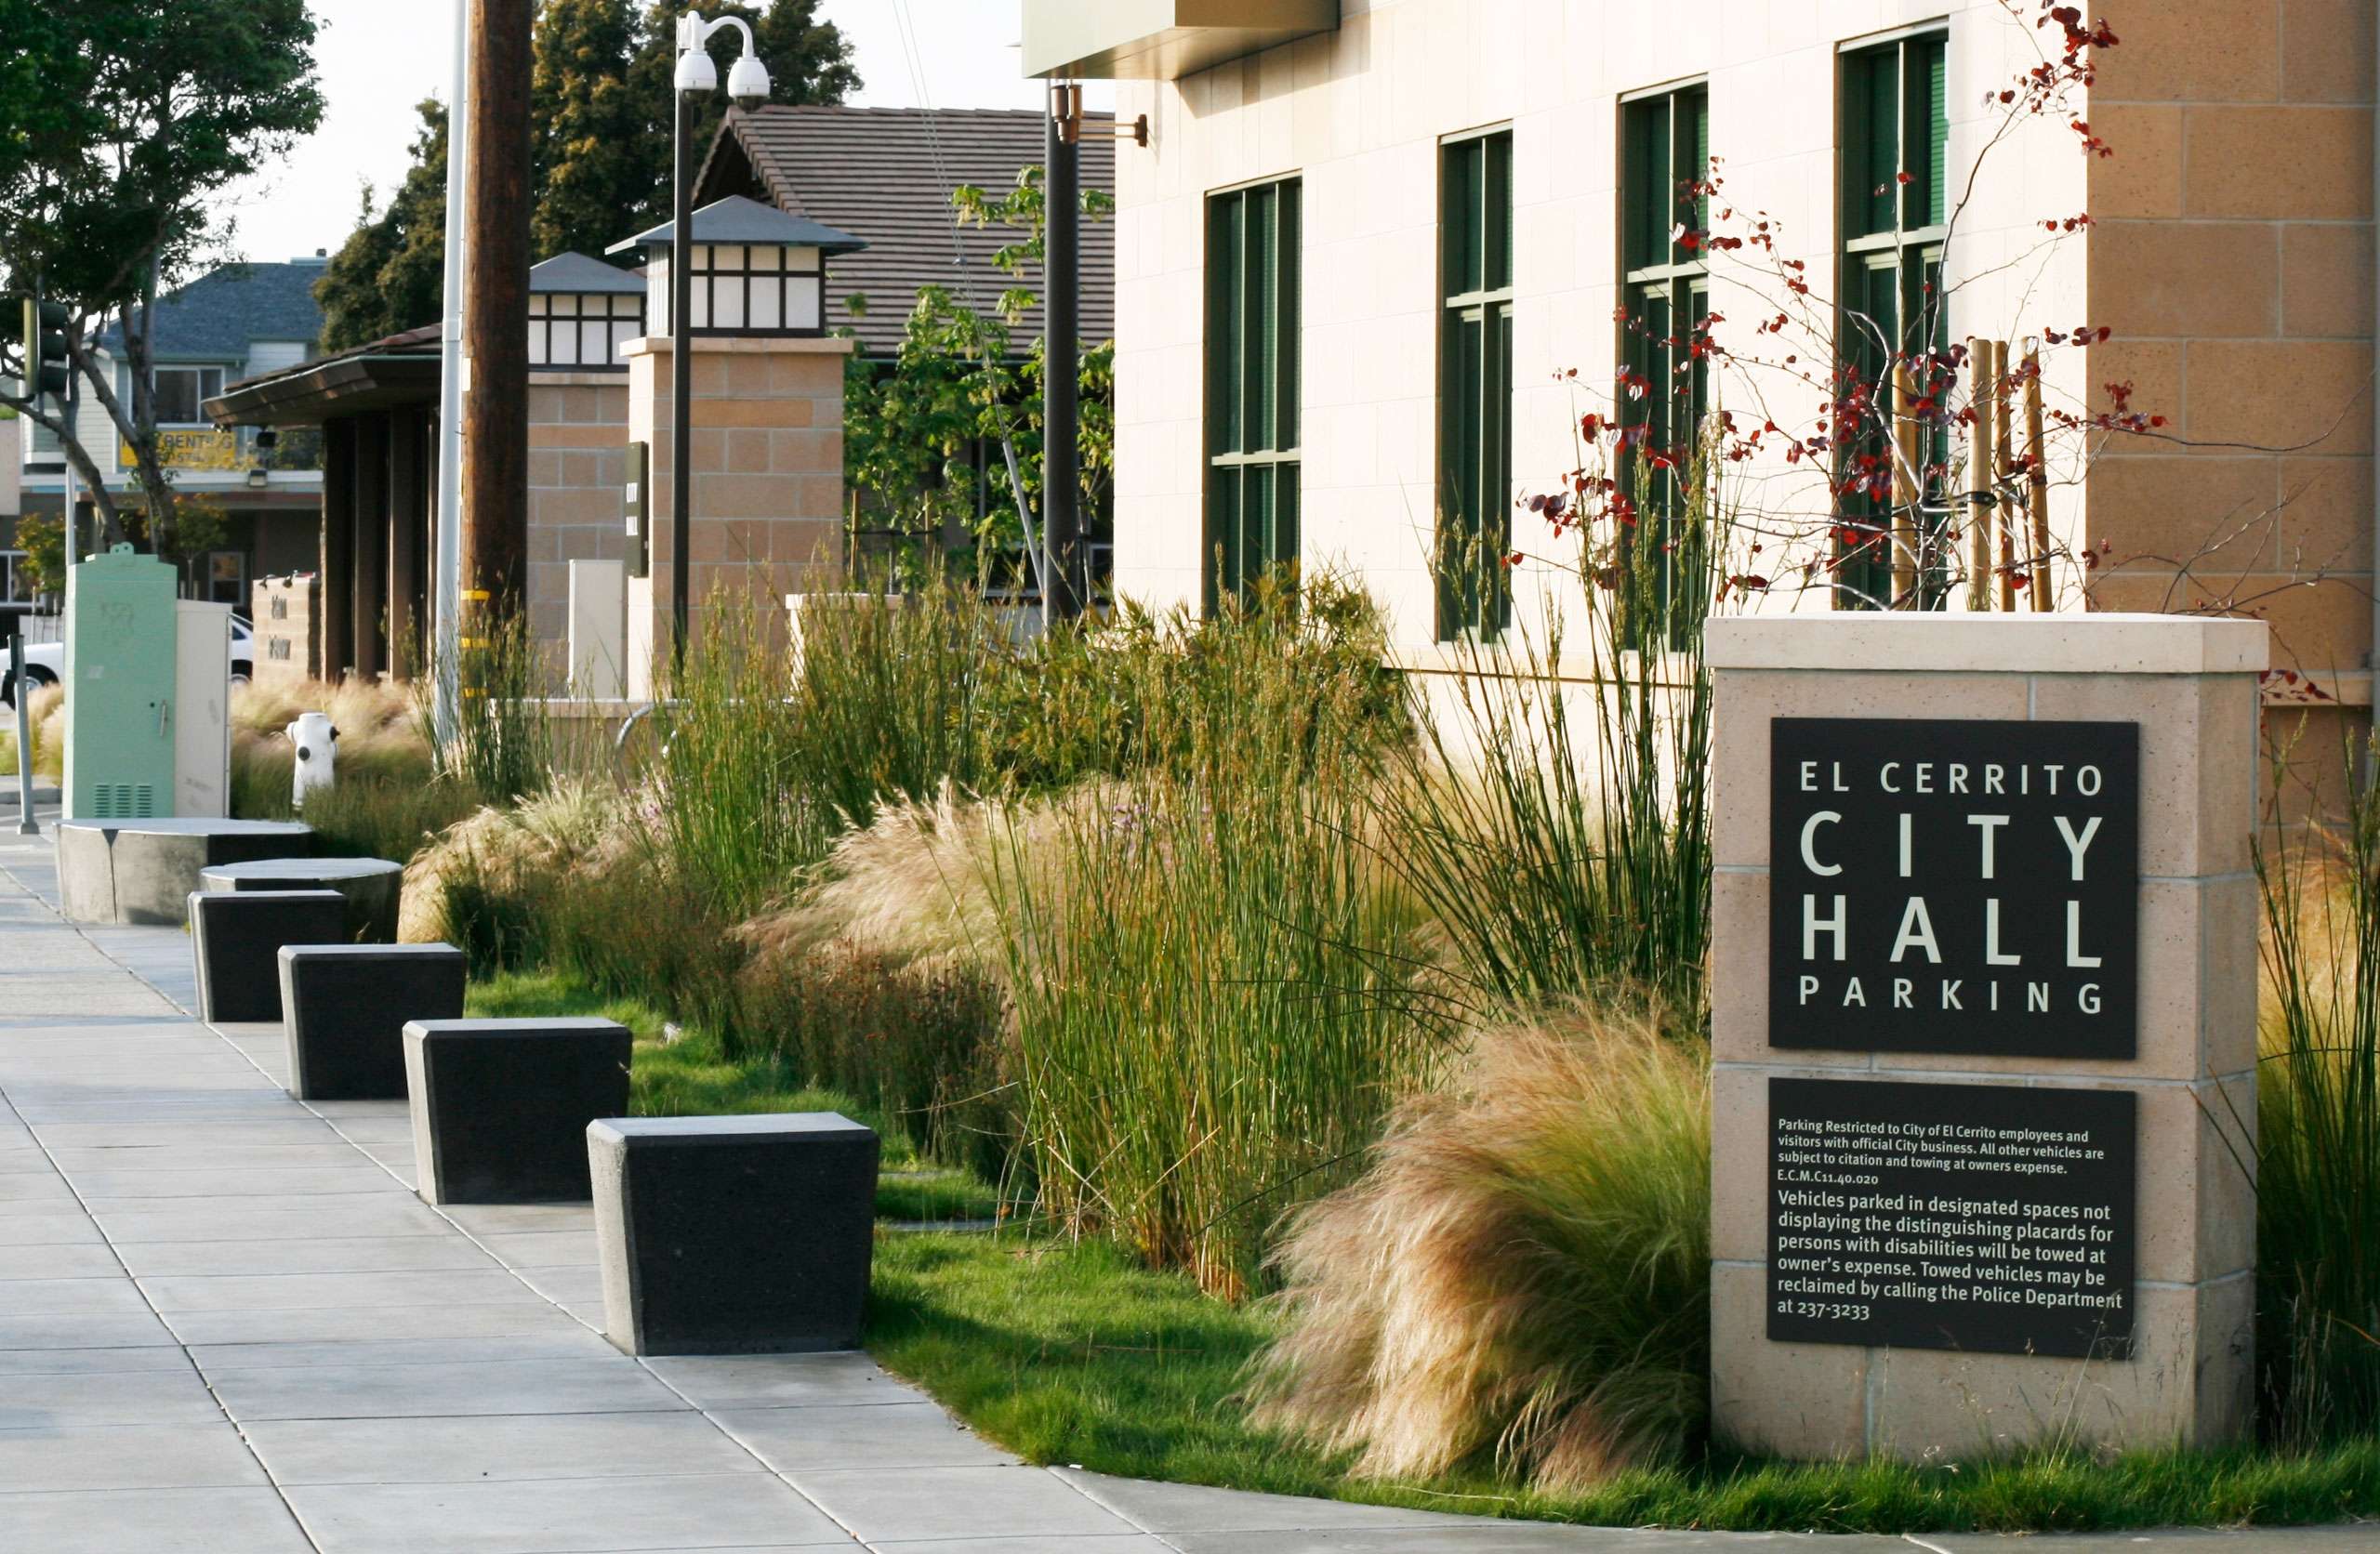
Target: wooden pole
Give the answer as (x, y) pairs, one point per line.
(496, 319)
(1979, 380)
(1905, 491)
(2036, 483)
(2003, 464)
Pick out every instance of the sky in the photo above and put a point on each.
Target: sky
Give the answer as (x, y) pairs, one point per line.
(378, 57)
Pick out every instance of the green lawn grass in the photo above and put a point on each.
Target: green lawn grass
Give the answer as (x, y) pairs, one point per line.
(1067, 1351)
(690, 1076)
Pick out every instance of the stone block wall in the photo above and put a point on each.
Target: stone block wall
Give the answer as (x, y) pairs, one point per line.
(2232, 257)
(768, 474)
(578, 435)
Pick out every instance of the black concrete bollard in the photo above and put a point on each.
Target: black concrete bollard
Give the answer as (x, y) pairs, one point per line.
(234, 940)
(347, 1008)
(500, 1107)
(734, 1236)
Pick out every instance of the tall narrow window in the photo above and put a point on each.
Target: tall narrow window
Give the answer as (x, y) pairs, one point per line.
(1253, 252)
(1665, 150)
(1896, 219)
(1476, 387)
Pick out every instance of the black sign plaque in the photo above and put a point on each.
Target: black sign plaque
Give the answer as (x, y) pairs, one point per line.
(1994, 1218)
(1954, 886)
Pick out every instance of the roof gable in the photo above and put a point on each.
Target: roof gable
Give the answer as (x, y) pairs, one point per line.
(886, 175)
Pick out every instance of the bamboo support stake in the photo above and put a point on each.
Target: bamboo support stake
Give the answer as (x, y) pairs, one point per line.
(2036, 482)
(1905, 488)
(1979, 488)
(2003, 466)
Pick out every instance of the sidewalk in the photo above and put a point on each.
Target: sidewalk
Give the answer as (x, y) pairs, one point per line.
(227, 1326)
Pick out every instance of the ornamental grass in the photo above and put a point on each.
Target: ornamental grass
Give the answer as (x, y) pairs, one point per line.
(1520, 1280)
(2317, 1126)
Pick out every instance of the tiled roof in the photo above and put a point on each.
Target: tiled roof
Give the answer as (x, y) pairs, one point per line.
(217, 315)
(885, 175)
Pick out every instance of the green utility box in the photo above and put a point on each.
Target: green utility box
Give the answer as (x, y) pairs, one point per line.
(119, 687)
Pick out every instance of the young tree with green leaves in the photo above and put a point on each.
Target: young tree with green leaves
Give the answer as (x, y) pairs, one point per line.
(120, 122)
(912, 425)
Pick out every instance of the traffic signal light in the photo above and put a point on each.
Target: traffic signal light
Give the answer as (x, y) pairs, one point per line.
(44, 349)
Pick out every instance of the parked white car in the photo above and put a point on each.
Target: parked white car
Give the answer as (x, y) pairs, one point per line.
(46, 662)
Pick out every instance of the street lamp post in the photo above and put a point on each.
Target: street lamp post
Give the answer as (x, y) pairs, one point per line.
(748, 85)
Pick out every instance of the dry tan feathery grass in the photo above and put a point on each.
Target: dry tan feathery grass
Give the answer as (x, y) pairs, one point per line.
(363, 709)
(377, 728)
(45, 710)
(578, 822)
(1521, 1274)
(911, 888)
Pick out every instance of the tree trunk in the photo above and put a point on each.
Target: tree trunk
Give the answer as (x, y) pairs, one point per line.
(140, 428)
(140, 353)
(101, 503)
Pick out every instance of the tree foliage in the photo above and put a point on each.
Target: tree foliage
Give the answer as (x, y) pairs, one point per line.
(809, 62)
(588, 162)
(600, 134)
(120, 121)
(390, 273)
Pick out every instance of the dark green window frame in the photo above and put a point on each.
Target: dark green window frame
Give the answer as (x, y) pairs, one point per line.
(1474, 384)
(1252, 345)
(1665, 287)
(1895, 120)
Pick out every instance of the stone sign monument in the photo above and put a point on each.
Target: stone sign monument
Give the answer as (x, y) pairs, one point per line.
(1984, 980)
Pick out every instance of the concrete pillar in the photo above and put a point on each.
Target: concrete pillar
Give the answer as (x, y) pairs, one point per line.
(768, 472)
(1984, 1008)
(578, 429)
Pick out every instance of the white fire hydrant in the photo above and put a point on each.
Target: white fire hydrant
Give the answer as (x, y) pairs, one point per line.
(317, 743)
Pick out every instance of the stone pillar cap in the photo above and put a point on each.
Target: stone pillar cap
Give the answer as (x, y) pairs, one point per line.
(1911, 641)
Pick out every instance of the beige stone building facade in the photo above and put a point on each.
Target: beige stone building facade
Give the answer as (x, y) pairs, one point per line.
(1422, 217)
(578, 434)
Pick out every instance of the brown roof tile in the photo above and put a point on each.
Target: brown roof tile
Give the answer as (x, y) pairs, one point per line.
(885, 175)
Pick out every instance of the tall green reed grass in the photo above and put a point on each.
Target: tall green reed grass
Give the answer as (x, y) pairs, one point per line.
(1555, 815)
(2318, 1166)
(887, 693)
(729, 808)
(502, 744)
(1215, 998)
(1216, 988)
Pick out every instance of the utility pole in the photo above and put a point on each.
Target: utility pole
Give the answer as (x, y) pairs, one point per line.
(495, 316)
(1064, 581)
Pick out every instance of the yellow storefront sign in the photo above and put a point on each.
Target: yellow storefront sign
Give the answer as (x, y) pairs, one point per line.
(191, 447)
